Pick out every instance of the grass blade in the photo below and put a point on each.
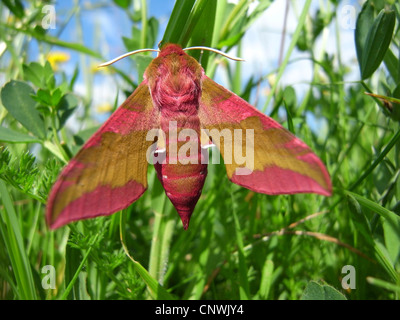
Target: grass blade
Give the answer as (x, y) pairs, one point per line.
(13, 239)
(244, 289)
(178, 19)
(78, 270)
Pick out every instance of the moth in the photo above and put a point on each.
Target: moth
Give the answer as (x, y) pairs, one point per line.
(169, 120)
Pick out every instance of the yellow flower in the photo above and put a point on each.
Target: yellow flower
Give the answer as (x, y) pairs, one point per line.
(57, 57)
(105, 107)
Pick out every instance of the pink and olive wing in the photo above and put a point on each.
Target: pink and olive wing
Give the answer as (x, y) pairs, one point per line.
(110, 171)
(258, 152)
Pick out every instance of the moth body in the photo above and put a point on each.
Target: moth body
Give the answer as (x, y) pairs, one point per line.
(175, 84)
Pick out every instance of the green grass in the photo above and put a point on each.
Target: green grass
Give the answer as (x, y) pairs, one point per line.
(240, 244)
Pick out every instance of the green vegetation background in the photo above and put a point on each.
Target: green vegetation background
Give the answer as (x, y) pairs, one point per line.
(240, 245)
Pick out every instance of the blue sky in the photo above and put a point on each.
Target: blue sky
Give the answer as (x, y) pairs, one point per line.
(104, 27)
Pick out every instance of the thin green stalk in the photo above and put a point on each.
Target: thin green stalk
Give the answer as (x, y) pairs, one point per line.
(156, 290)
(83, 59)
(292, 45)
(237, 80)
(395, 138)
(143, 35)
(154, 261)
(162, 235)
(34, 227)
(52, 41)
(244, 288)
(384, 284)
(354, 139)
(316, 68)
(78, 270)
(235, 14)
(57, 141)
(282, 45)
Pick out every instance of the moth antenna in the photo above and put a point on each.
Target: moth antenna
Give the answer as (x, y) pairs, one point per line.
(214, 50)
(105, 64)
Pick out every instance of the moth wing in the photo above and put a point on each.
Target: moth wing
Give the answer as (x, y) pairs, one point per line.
(110, 171)
(276, 162)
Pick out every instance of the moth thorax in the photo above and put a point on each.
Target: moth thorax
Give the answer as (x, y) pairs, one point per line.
(177, 91)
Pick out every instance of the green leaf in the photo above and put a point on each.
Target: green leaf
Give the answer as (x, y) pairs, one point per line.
(392, 239)
(392, 64)
(197, 27)
(395, 112)
(179, 17)
(390, 216)
(266, 279)
(364, 22)
(11, 136)
(359, 219)
(316, 291)
(395, 138)
(49, 78)
(133, 43)
(377, 42)
(65, 108)
(43, 96)
(74, 78)
(56, 97)
(33, 73)
(200, 28)
(16, 7)
(142, 61)
(123, 3)
(289, 101)
(16, 98)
